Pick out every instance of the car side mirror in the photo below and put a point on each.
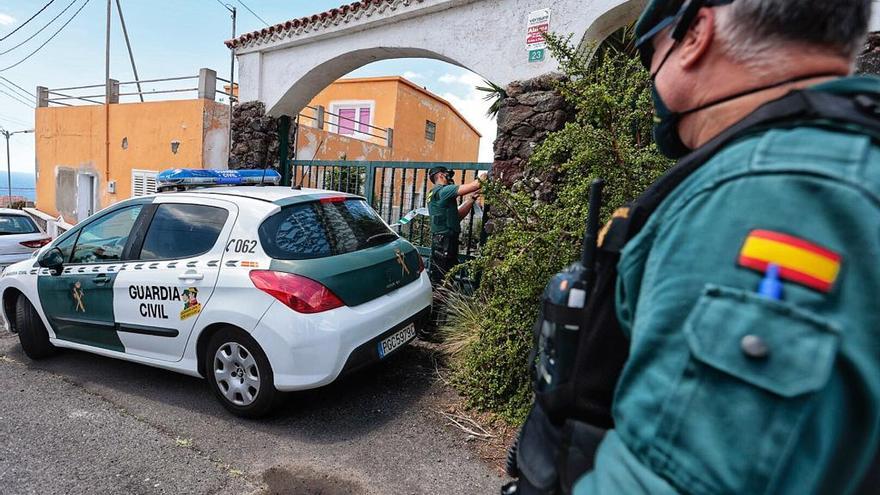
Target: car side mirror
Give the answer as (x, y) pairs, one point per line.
(52, 259)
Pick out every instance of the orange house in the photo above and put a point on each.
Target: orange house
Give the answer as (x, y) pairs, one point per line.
(426, 128)
(91, 156)
(84, 164)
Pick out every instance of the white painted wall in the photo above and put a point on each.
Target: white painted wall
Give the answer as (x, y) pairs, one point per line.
(485, 36)
(875, 18)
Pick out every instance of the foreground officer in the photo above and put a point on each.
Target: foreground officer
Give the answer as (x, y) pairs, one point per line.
(446, 215)
(747, 278)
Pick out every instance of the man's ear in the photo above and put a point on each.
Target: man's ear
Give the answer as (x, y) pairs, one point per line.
(698, 39)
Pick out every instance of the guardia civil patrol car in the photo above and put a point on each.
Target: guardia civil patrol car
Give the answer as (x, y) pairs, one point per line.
(259, 289)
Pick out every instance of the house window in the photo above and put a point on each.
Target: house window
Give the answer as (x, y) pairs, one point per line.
(143, 183)
(430, 130)
(353, 118)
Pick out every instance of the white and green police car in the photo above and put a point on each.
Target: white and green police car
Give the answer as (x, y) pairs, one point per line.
(259, 289)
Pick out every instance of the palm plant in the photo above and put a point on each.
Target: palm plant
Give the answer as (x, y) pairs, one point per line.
(494, 93)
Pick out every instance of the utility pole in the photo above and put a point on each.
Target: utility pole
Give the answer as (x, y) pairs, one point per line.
(232, 61)
(107, 54)
(8, 135)
(232, 10)
(232, 96)
(107, 94)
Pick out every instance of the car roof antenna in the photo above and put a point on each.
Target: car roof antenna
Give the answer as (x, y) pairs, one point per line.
(265, 169)
(299, 186)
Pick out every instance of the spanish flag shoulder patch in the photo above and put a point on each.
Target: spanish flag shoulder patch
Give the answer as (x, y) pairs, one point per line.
(799, 261)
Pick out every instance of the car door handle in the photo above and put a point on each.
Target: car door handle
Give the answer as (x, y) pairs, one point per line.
(102, 279)
(191, 275)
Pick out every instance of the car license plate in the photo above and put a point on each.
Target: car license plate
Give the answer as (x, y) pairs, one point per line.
(398, 339)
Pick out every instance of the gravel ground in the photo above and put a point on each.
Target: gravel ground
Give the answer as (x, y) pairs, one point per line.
(79, 423)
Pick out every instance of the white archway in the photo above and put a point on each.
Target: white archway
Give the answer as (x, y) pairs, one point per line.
(609, 22)
(322, 75)
(286, 65)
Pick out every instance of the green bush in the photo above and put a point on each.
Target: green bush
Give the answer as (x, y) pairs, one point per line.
(610, 137)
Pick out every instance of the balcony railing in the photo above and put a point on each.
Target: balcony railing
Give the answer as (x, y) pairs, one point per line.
(204, 85)
(319, 120)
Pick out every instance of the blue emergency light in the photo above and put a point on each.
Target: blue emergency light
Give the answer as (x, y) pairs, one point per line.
(190, 177)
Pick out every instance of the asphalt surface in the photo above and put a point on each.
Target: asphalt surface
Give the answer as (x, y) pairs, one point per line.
(79, 423)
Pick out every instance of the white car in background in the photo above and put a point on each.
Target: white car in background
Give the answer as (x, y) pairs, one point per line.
(20, 237)
(256, 289)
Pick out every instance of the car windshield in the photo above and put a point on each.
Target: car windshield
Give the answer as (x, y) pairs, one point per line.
(16, 224)
(323, 228)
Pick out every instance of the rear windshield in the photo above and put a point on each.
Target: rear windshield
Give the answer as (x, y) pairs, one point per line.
(17, 224)
(324, 228)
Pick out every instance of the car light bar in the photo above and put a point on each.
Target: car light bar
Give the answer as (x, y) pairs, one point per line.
(190, 177)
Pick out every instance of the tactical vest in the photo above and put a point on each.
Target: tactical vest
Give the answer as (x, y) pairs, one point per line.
(559, 439)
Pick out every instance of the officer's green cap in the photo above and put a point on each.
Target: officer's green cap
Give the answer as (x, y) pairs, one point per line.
(661, 14)
(437, 170)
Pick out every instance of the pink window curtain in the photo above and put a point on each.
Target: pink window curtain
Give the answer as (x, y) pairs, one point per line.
(346, 120)
(364, 120)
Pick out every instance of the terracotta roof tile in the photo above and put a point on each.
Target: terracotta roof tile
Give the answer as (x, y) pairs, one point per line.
(305, 21)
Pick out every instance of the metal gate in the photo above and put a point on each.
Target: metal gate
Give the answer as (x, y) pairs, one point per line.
(394, 189)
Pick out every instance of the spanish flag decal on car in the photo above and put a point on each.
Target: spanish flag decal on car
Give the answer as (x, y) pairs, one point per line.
(799, 261)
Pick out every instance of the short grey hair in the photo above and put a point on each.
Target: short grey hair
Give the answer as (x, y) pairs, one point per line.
(753, 31)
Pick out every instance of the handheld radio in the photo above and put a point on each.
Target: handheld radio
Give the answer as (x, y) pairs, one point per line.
(564, 301)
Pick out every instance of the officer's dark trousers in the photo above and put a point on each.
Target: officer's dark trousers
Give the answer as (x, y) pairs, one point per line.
(444, 257)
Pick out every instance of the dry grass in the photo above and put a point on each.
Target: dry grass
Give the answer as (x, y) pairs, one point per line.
(464, 317)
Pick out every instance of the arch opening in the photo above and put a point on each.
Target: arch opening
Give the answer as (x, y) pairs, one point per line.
(322, 75)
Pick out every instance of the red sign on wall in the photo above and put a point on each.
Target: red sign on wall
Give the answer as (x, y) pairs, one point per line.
(539, 23)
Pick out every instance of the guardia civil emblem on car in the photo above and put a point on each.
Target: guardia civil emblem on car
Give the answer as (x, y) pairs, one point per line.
(258, 289)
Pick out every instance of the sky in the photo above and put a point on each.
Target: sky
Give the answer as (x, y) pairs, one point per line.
(172, 38)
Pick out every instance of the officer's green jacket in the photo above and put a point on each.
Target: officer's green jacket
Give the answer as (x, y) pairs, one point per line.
(729, 392)
(443, 208)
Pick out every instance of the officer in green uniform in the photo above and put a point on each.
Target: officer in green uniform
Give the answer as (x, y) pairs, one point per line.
(750, 295)
(446, 215)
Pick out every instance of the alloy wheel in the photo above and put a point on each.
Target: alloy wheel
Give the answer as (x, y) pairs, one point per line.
(236, 374)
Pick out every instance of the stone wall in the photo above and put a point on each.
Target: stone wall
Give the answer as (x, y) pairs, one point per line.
(255, 137)
(869, 61)
(532, 110)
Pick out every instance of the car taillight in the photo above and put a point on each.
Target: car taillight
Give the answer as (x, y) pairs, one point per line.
(36, 244)
(300, 294)
(421, 263)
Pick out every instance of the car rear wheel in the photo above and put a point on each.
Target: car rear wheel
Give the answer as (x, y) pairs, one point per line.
(239, 374)
(31, 332)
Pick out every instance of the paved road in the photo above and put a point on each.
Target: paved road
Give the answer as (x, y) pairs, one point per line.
(79, 423)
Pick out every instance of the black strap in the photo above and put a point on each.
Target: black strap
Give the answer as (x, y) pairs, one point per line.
(563, 315)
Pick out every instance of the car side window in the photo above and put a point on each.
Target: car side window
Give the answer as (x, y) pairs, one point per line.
(183, 231)
(104, 239)
(66, 246)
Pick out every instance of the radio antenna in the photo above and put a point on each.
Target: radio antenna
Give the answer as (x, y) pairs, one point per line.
(591, 233)
(309, 167)
(266, 168)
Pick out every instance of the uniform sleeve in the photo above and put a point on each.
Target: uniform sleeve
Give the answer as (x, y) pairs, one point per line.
(447, 192)
(729, 391)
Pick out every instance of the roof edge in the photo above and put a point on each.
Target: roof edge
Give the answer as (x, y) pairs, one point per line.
(304, 21)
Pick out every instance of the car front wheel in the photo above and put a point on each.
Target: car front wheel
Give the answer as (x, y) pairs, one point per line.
(31, 332)
(239, 374)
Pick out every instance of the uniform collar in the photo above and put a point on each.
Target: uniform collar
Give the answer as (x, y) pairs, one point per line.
(850, 85)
